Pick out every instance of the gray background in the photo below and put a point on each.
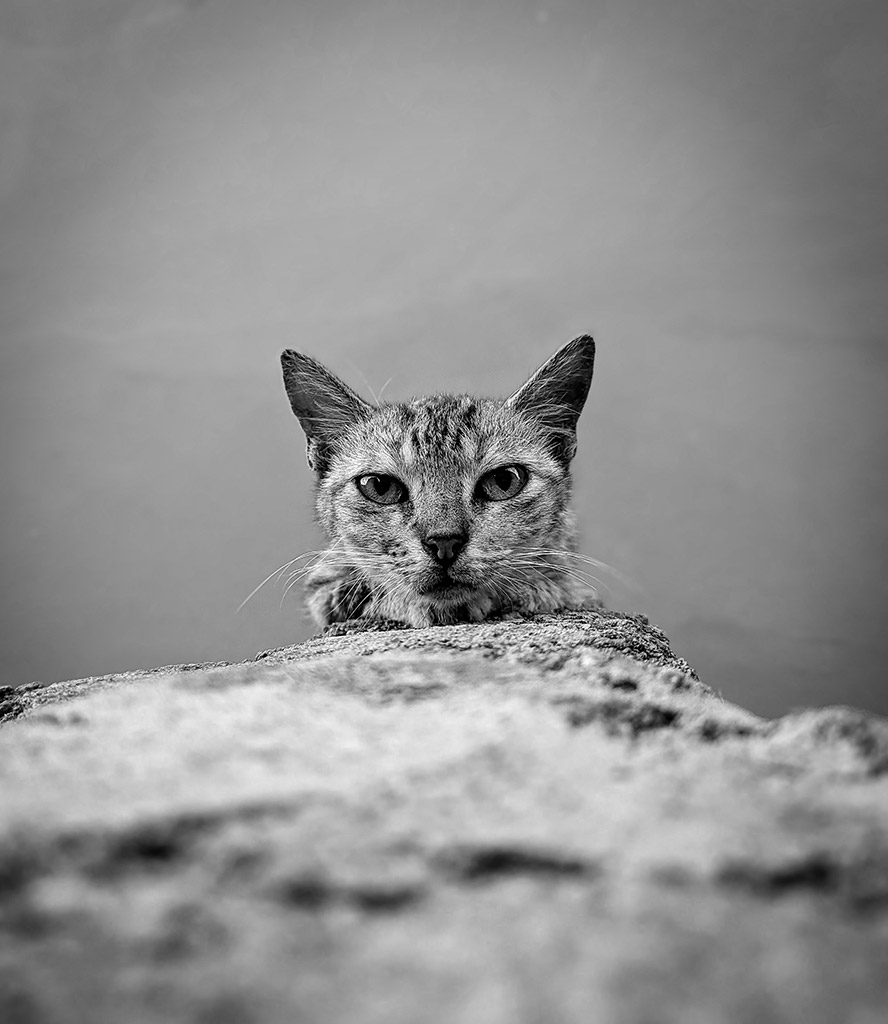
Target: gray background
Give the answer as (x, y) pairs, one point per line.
(441, 194)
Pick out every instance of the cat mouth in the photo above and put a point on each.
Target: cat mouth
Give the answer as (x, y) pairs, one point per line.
(443, 585)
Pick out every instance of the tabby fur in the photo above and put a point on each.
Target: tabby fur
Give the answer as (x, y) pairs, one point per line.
(497, 557)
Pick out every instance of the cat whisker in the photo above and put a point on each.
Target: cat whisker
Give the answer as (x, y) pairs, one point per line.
(577, 575)
(294, 578)
(509, 589)
(321, 563)
(541, 564)
(354, 589)
(581, 556)
(382, 390)
(280, 569)
(287, 590)
(305, 570)
(376, 398)
(544, 560)
(323, 559)
(297, 577)
(571, 554)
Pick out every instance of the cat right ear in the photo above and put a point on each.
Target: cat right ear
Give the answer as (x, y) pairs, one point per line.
(555, 395)
(323, 404)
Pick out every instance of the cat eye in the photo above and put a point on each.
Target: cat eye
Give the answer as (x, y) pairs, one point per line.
(383, 490)
(500, 484)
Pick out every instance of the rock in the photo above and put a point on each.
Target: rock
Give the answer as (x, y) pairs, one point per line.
(531, 820)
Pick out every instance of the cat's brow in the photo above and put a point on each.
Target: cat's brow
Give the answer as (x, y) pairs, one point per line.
(500, 451)
(540, 468)
(407, 453)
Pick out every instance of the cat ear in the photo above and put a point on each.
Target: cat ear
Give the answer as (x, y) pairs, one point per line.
(555, 395)
(324, 406)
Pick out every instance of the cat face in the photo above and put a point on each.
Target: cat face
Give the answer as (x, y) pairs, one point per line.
(447, 508)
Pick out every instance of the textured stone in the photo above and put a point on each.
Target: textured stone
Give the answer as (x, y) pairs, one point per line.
(531, 820)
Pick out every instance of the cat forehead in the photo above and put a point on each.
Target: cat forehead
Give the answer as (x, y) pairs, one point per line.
(452, 431)
(426, 427)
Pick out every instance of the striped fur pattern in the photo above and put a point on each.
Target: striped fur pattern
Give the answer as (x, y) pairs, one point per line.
(503, 556)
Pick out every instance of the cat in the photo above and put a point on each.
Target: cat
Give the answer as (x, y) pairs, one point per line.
(448, 508)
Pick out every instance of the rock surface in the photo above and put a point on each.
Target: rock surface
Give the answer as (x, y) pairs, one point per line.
(544, 821)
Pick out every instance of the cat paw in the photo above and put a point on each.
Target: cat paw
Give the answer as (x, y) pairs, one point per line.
(512, 616)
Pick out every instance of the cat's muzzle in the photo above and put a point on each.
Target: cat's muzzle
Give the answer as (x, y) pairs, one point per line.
(440, 582)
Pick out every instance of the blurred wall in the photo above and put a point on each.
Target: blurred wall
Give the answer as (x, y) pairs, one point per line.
(434, 196)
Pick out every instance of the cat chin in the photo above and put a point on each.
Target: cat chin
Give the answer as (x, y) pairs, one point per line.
(440, 609)
(447, 591)
(475, 608)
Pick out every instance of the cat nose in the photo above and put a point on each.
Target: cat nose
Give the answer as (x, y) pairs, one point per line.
(445, 547)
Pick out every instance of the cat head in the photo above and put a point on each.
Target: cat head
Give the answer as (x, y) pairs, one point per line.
(447, 505)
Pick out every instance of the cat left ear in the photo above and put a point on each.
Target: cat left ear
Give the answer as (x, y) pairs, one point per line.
(555, 395)
(323, 404)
